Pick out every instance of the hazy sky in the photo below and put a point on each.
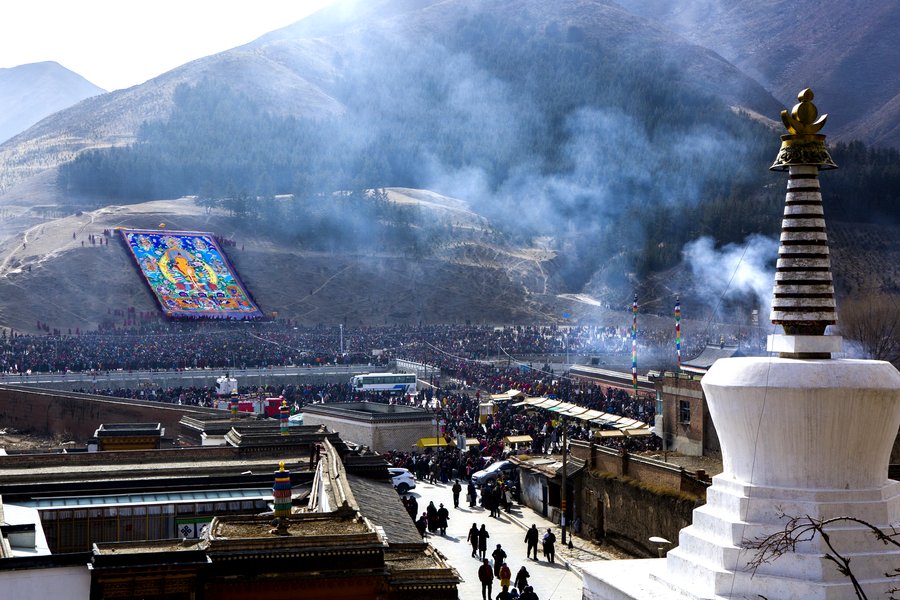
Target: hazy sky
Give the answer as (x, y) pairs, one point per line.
(119, 43)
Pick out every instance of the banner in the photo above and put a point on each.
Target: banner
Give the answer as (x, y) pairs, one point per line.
(189, 275)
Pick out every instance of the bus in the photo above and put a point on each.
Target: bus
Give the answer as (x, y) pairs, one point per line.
(396, 383)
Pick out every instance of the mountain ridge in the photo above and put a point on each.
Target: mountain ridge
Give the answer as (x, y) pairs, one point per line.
(30, 92)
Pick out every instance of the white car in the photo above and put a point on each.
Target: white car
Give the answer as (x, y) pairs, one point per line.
(493, 471)
(402, 479)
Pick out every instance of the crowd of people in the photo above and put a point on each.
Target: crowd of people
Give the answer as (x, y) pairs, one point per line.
(183, 345)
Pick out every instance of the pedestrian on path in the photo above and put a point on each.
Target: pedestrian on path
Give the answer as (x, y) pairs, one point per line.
(528, 594)
(505, 576)
(521, 581)
(531, 538)
(483, 536)
(422, 524)
(549, 549)
(499, 556)
(504, 595)
(431, 511)
(486, 577)
(472, 493)
(456, 489)
(443, 515)
(473, 539)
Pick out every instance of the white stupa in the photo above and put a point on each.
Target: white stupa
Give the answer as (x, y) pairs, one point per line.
(802, 435)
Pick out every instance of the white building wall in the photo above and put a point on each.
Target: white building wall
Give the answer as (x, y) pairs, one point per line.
(70, 583)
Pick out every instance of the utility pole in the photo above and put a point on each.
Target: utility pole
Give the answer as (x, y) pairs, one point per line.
(342, 338)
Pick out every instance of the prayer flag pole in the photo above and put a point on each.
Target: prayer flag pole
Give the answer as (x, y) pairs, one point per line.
(634, 310)
(678, 330)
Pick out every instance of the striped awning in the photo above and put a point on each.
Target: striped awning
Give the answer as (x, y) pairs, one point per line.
(597, 417)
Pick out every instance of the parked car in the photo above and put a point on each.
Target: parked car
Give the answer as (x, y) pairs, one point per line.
(402, 479)
(493, 471)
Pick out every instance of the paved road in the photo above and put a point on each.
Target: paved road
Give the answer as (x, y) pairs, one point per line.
(550, 582)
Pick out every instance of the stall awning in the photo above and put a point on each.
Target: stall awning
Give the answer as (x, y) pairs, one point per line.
(546, 403)
(507, 395)
(597, 417)
(471, 442)
(609, 433)
(430, 442)
(518, 439)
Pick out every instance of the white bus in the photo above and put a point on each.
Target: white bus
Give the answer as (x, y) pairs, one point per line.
(397, 383)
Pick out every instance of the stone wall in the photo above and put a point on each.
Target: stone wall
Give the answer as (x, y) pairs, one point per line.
(625, 499)
(77, 416)
(626, 514)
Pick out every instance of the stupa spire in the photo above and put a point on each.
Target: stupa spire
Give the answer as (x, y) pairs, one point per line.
(804, 295)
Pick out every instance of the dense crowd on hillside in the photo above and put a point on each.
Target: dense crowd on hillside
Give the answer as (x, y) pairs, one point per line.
(206, 345)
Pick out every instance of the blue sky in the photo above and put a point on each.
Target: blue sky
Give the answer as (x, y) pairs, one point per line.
(120, 43)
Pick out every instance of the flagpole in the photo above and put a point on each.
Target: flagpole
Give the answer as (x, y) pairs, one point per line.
(634, 311)
(678, 330)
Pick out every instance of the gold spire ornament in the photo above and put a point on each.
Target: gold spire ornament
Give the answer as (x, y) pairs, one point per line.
(804, 145)
(803, 300)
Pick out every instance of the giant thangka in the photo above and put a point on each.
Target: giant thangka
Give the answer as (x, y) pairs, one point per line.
(189, 274)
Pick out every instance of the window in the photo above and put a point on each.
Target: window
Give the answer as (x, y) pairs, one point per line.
(684, 412)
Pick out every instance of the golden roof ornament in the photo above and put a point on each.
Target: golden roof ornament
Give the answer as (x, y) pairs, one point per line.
(804, 145)
(803, 297)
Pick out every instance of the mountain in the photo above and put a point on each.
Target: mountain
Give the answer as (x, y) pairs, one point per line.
(845, 52)
(534, 154)
(28, 93)
(317, 67)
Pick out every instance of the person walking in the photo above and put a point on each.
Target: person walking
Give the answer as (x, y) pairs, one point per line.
(486, 577)
(499, 556)
(422, 525)
(473, 539)
(549, 549)
(521, 580)
(505, 576)
(431, 511)
(443, 515)
(483, 536)
(528, 594)
(456, 489)
(472, 493)
(531, 538)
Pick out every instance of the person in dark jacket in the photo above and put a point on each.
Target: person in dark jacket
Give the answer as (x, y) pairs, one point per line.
(457, 490)
(443, 515)
(549, 548)
(521, 580)
(422, 525)
(486, 577)
(499, 556)
(528, 594)
(473, 494)
(473, 538)
(531, 538)
(483, 536)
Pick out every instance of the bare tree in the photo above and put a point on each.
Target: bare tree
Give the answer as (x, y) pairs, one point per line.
(873, 320)
(806, 528)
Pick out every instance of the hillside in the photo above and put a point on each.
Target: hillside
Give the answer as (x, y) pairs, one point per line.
(28, 93)
(79, 283)
(845, 54)
(474, 276)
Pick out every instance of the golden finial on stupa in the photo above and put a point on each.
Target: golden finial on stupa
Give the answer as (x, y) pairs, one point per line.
(803, 145)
